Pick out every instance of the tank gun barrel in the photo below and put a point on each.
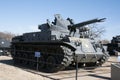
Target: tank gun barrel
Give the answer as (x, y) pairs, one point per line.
(88, 22)
(73, 27)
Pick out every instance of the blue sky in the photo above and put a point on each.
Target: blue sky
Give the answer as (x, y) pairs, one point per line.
(20, 16)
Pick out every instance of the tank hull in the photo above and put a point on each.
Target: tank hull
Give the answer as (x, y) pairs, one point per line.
(62, 55)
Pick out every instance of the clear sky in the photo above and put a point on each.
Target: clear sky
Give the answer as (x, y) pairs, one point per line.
(20, 16)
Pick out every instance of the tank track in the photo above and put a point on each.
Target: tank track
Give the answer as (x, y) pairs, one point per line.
(103, 59)
(68, 56)
(100, 62)
(62, 62)
(53, 58)
(58, 58)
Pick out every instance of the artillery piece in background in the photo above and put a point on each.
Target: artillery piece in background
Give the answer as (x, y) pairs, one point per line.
(114, 47)
(58, 43)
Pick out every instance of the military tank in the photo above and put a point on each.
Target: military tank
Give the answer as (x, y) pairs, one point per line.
(114, 46)
(4, 47)
(59, 44)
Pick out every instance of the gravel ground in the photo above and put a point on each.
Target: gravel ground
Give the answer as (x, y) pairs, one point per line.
(10, 72)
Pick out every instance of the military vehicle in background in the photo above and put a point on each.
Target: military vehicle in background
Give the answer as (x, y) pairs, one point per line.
(4, 46)
(59, 44)
(114, 47)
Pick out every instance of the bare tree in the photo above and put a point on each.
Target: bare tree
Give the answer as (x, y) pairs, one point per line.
(7, 35)
(95, 31)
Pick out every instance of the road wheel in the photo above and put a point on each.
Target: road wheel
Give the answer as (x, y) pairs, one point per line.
(51, 64)
(91, 64)
(80, 64)
(32, 65)
(41, 63)
(16, 61)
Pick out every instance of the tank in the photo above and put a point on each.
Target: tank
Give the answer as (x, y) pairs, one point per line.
(59, 44)
(114, 46)
(4, 47)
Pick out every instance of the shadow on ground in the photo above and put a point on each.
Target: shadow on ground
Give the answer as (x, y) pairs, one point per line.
(8, 62)
(50, 75)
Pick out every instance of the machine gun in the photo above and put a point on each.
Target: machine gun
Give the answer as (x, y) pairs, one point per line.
(80, 26)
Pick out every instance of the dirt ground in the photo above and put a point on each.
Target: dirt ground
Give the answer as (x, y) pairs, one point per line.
(10, 72)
